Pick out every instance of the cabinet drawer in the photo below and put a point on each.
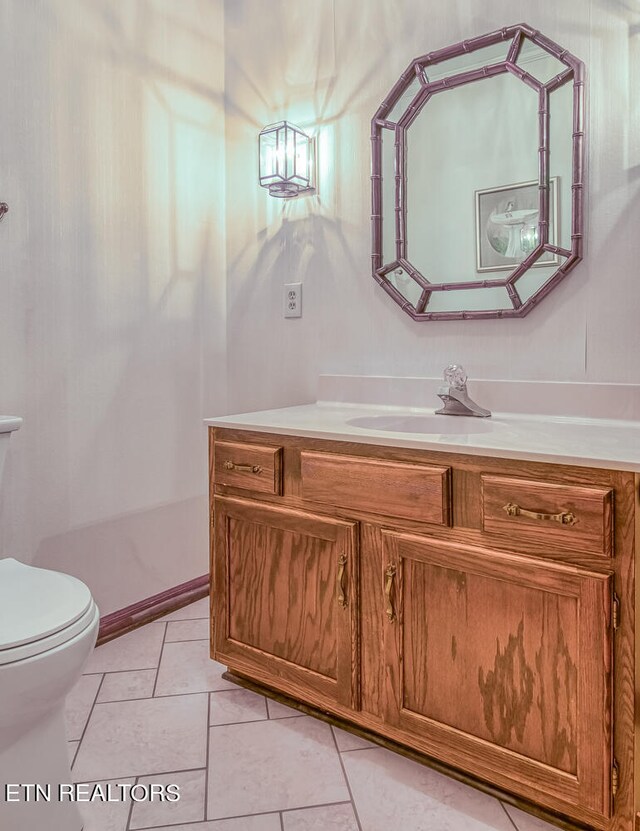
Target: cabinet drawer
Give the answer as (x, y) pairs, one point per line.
(570, 517)
(400, 489)
(254, 467)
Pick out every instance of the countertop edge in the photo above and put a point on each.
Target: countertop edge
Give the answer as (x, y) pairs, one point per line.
(387, 439)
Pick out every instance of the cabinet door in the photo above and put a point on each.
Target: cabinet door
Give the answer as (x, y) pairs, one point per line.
(501, 665)
(285, 597)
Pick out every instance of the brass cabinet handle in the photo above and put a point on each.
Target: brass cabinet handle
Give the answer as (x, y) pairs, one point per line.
(390, 573)
(564, 517)
(342, 598)
(229, 465)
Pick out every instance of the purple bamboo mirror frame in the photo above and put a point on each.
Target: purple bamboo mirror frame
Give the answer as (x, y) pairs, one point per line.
(574, 72)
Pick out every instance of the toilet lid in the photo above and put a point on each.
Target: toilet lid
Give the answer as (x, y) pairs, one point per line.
(36, 602)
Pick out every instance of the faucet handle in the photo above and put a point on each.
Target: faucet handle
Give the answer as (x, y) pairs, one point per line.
(455, 376)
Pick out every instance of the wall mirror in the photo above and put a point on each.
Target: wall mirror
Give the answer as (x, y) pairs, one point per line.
(477, 177)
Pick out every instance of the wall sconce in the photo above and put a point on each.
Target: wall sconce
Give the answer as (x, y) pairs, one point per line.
(287, 160)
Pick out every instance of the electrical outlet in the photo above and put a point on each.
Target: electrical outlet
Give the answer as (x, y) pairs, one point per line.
(293, 300)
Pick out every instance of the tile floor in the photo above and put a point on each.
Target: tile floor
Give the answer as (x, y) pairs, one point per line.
(153, 708)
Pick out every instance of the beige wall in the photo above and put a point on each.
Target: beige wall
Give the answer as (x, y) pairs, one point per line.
(141, 263)
(113, 288)
(328, 64)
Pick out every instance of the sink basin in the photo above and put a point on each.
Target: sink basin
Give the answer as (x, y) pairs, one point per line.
(442, 425)
(514, 217)
(513, 233)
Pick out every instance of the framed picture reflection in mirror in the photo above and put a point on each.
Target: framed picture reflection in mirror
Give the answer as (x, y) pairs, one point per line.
(507, 229)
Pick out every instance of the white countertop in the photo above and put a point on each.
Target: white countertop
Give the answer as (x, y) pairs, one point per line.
(587, 442)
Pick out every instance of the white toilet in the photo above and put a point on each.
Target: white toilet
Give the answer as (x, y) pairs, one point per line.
(48, 628)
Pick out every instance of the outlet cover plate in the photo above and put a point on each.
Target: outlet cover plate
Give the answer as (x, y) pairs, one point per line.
(293, 300)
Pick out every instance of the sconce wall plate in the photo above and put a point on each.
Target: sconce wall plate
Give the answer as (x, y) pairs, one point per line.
(286, 159)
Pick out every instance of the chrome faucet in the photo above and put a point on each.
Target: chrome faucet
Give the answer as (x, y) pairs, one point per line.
(455, 397)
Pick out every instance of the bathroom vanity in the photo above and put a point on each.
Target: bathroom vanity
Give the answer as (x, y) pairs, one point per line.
(462, 590)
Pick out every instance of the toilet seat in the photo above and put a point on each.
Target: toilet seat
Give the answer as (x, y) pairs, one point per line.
(39, 610)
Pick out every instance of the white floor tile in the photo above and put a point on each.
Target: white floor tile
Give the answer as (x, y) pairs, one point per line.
(527, 822)
(272, 765)
(261, 822)
(324, 818)
(196, 610)
(232, 706)
(188, 630)
(139, 649)
(264, 756)
(390, 791)
(186, 667)
(135, 738)
(277, 710)
(189, 808)
(78, 705)
(123, 686)
(72, 748)
(106, 816)
(349, 741)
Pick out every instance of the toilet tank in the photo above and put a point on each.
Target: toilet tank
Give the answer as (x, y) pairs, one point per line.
(7, 425)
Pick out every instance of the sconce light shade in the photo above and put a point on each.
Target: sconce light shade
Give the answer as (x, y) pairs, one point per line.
(287, 160)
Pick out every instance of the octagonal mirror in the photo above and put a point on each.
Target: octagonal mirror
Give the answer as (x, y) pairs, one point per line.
(477, 177)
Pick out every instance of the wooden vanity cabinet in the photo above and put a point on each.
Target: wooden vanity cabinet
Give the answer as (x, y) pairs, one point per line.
(503, 659)
(289, 604)
(495, 642)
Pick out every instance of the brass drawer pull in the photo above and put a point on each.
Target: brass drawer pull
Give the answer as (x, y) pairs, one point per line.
(390, 573)
(564, 517)
(342, 598)
(228, 465)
